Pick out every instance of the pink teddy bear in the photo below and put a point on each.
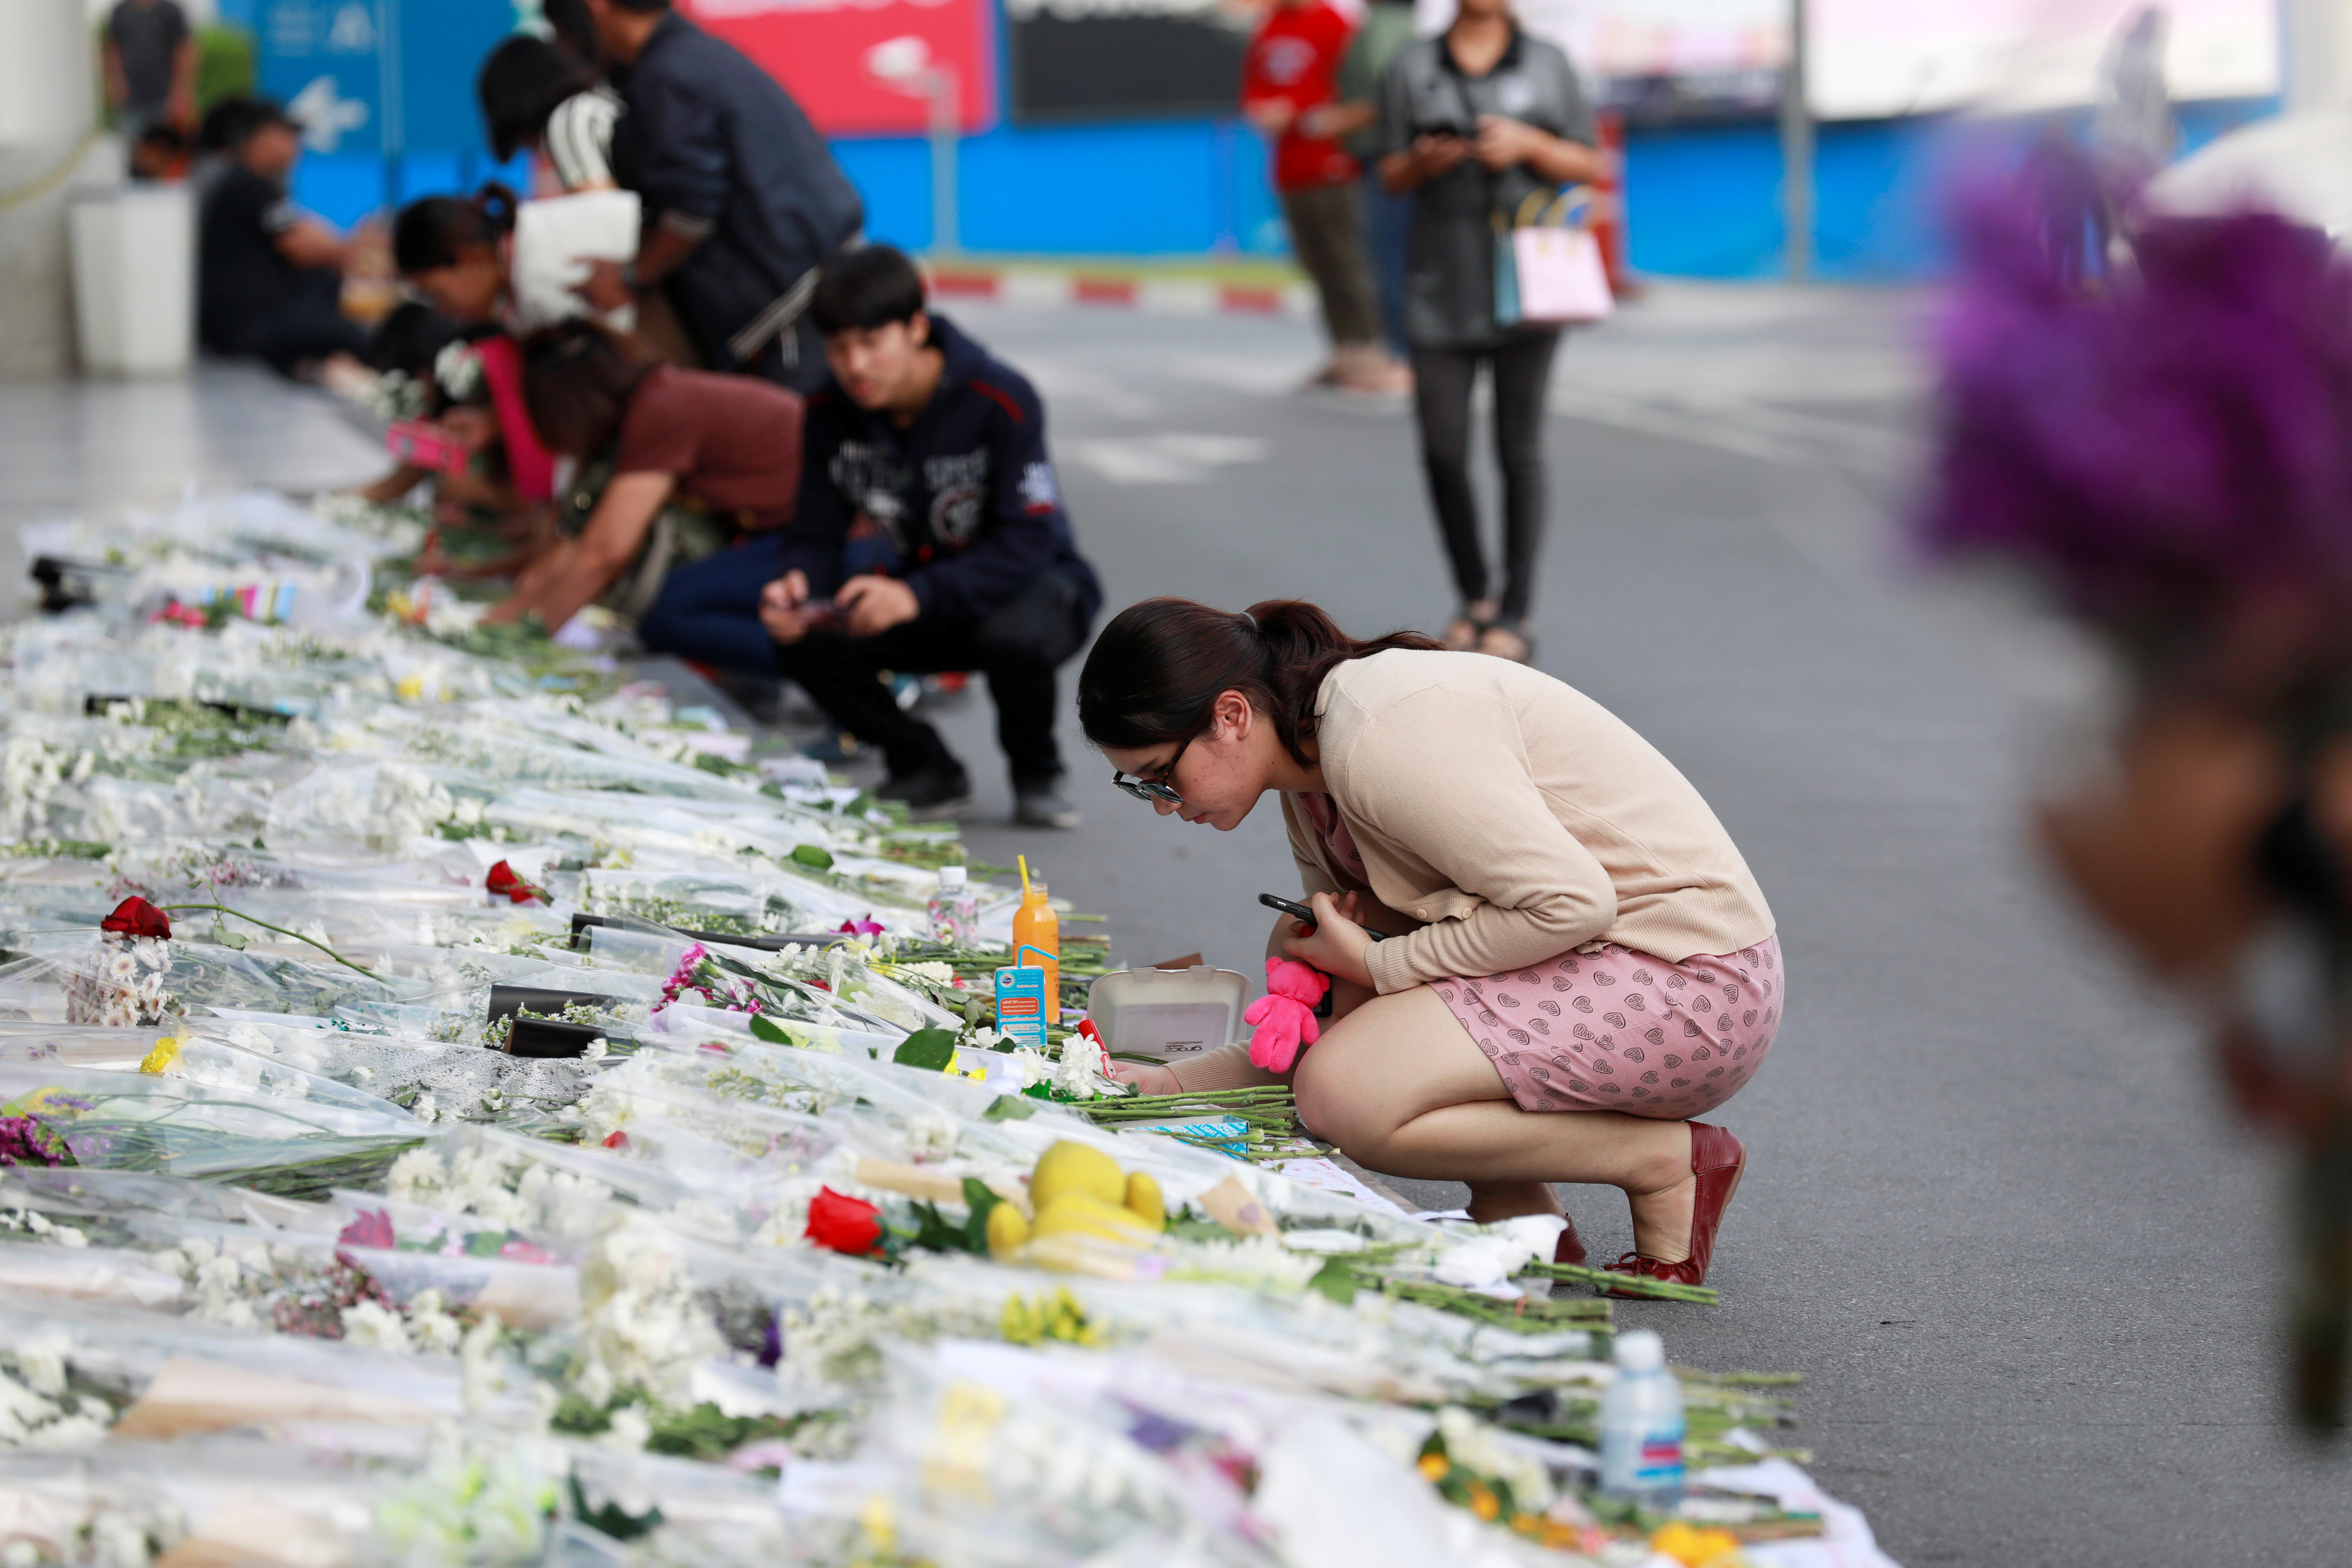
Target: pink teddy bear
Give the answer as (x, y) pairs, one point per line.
(1284, 1015)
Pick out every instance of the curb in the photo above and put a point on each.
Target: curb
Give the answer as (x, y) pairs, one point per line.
(1054, 288)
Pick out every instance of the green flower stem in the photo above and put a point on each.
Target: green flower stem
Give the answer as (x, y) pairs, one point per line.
(1624, 1284)
(220, 908)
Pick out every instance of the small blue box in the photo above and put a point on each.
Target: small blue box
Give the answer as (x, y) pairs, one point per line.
(1020, 1006)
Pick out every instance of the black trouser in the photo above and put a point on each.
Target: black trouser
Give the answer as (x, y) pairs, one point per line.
(305, 325)
(1442, 382)
(1017, 646)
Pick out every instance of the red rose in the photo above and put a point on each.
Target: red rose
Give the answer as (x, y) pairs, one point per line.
(137, 917)
(502, 883)
(844, 1224)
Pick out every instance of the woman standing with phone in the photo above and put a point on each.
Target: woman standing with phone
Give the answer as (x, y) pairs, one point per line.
(1472, 123)
(1579, 963)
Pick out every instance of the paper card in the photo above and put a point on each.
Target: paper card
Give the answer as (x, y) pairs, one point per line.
(192, 1395)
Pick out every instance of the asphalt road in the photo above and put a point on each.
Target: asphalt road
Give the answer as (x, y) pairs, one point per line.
(1995, 1214)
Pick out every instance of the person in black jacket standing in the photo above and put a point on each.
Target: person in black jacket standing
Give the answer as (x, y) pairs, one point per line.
(744, 197)
(929, 535)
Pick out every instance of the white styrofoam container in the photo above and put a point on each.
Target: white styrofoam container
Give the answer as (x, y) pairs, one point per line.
(134, 278)
(1169, 1013)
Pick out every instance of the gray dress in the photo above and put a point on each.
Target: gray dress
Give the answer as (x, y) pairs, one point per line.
(1450, 259)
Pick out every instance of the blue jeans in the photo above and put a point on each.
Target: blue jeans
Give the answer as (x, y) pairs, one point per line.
(709, 611)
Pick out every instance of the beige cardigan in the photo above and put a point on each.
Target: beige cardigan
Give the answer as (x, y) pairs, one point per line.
(1517, 816)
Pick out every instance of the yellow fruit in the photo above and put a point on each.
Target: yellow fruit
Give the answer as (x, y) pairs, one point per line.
(1083, 1213)
(1143, 1201)
(1008, 1231)
(1068, 1167)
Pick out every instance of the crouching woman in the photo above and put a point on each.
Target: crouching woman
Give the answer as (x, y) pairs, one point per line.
(1578, 960)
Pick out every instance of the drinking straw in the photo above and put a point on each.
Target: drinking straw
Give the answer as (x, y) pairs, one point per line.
(1024, 874)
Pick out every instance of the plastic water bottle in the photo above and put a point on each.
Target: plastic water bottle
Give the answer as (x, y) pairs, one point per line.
(1642, 1425)
(954, 908)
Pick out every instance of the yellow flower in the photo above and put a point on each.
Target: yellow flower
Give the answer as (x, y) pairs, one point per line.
(1696, 1548)
(411, 687)
(1433, 1466)
(163, 1057)
(1483, 1503)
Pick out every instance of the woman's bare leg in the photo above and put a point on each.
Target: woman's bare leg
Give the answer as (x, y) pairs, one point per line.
(1399, 1086)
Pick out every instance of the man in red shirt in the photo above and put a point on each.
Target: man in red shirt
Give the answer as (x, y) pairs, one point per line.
(1288, 88)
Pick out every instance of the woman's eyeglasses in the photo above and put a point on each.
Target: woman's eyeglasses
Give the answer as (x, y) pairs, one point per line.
(1158, 789)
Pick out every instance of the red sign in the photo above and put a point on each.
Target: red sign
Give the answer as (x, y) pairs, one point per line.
(823, 51)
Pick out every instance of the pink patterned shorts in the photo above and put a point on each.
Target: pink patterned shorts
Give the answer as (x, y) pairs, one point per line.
(1621, 1030)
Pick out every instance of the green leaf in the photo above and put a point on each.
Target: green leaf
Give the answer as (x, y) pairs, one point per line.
(930, 1049)
(761, 1029)
(612, 1519)
(982, 1203)
(1008, 1108)
(1335, 1280)
(816, 856)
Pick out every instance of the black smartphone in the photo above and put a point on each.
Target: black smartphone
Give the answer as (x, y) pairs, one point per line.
(1300, 912)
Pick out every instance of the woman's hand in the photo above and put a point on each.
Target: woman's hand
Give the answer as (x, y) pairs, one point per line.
(1147, 1077)
(1338, 944)
(1429, 157)
(1506, 143)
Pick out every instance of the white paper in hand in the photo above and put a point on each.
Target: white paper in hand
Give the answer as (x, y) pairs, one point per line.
(553, 240)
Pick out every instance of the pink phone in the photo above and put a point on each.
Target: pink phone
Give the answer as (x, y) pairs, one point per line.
(425, 444)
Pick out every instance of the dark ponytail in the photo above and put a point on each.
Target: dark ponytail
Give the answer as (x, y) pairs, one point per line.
(434, 233)
(1159, 667)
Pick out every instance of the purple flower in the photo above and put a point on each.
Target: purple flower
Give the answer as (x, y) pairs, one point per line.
(24, 1142)
(2158, 450)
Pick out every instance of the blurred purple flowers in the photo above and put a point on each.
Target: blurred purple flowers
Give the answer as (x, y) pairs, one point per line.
(24, 1142)
(2158, 449)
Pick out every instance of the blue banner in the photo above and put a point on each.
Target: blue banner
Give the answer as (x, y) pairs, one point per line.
(381, 77)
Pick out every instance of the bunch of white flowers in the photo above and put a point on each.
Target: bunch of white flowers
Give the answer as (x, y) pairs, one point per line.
(640, 1325)
(120, 987)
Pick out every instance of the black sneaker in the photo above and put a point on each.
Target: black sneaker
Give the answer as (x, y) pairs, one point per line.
(938, 792)
(1043, 805)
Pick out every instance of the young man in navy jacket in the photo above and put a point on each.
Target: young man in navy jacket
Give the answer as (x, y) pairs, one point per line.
(929, 535)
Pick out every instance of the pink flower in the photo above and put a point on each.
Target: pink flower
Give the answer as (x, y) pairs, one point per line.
(869, 927)
(374, 1227)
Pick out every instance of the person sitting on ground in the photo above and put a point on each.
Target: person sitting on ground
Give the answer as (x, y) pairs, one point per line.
(931, 536)
(160, 155)
(270, 277)
(1577, 960)
(725, 449)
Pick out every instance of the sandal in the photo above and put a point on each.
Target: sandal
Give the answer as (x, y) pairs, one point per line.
(1509, 642)
(1469, 626)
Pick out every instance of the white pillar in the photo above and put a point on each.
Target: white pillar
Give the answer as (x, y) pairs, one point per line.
(49, 75)
(2317, 39)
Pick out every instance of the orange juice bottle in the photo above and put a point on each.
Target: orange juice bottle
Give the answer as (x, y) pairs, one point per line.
(1037, 944)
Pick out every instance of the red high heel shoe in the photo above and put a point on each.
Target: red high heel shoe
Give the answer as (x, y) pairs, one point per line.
(1570, 1247)
(1718, 1161)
